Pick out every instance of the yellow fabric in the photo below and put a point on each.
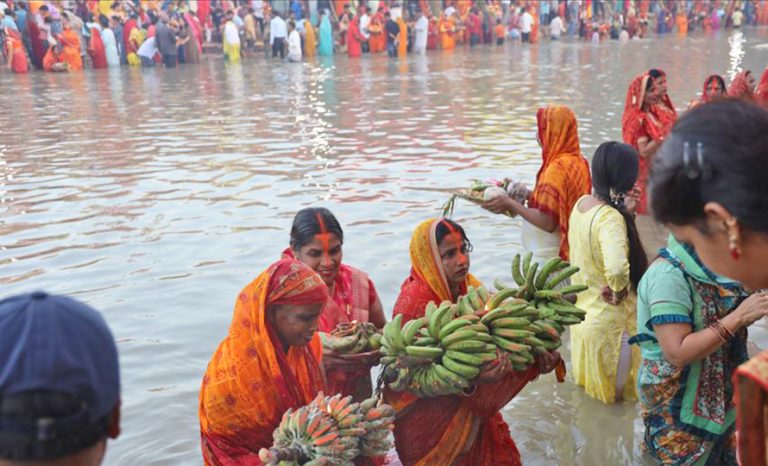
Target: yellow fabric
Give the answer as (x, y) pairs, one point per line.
(603, 257)
(105, 7)
(232, 51)
(310, 42)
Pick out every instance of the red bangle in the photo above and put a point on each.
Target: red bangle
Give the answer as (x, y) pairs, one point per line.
(721, 331)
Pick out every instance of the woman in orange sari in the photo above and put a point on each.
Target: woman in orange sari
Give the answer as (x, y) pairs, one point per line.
(446, 28)
(464, 430)
(14, 48)
(378, 40)
(648, 118)
(563, 178)
(535, 26)
(70, 44)
(402, 38)
(316, 240)
(761, 94)
(742, 86)
(268, 362)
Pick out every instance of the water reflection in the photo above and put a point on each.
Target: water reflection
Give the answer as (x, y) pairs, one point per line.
(156, 194)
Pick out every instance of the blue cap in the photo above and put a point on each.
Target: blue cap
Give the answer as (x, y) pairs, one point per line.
(55, 343)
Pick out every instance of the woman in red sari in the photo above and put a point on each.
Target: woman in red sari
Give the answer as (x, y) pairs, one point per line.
(742, 86)
(96, 49)
(38, 49)
(355, 38)
(433, 37)
(316, 240)
(269, 361)
(14, 49)
(648, 118)
(714, 88)
(463, 430)
(761, 94)
(562, 180)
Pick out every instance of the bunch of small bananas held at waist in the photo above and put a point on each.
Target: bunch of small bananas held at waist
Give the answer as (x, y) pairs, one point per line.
(331, 431)
(352, 338)
(440, 353)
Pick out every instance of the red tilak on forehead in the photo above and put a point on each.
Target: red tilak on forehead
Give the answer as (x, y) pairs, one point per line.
(457, 238)
(324, 237)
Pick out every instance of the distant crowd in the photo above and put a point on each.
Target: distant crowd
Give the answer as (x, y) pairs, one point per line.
(68, 35)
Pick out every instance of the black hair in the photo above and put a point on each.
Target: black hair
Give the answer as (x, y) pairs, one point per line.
(715, 153)
(26, 437)
(655, 74)
(614, 172)
(104, 21)
(718, 78)
(387, 15)
(447, 226)
(8, 12)
(306, 225)
(292, 24)
(43, 8)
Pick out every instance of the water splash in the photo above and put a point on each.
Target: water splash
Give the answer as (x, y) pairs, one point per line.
(736, 53)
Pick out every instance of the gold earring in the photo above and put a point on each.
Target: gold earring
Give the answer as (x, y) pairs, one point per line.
(734, 237)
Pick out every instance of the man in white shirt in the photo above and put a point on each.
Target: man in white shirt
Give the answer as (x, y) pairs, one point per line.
(278, 33)
(526, 25)
(365, 21)
(294, 43)
(556, 27)
(420, 30)
(147, 52)
(258, 13)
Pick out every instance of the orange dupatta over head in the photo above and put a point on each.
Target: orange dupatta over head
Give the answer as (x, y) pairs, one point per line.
(739, 88)
(564, 175)
(251, 381)
(761, 93)
(448, 430)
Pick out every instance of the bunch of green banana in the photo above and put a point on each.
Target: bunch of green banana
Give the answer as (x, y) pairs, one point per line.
(352, 338)
(331, 431)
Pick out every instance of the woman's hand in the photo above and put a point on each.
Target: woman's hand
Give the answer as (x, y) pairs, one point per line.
(496, 370)
(613, 298)
(752, 309)
(350, 362)
(548, 361)
(498, 205)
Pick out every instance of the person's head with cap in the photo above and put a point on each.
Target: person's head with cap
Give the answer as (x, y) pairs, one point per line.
(59, 382)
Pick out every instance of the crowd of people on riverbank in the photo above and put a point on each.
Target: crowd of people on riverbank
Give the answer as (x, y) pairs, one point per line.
(68, 35)
(668, 227)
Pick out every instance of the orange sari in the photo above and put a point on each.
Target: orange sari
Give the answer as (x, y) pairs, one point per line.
(449, 430)
(761, 93)
(378, 40)
(654, 124)
(738, 88)
(17, 56)
(564, 174)
(71, 49)
(402, 38)
(446, 27)
(251, 381)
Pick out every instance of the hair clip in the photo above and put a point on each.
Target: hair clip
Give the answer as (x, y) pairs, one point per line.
(690, 171)
(617, 198)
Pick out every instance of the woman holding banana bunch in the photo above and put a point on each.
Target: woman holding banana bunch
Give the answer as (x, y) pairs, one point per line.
(465, 429)
(562, 179)
(316, 240)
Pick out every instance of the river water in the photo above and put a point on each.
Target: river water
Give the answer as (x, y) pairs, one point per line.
(156, 195)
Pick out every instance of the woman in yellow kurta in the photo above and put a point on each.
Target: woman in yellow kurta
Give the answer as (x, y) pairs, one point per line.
(605, 245)
(310, 39)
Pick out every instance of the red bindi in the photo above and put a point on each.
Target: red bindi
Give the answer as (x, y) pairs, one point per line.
(324, 237)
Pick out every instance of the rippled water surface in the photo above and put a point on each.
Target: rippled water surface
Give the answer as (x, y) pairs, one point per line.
(156, 195)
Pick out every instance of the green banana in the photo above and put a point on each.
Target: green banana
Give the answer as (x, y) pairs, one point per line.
(511, 333)
(464, 306)
(500, 297)
(484, 295)
(533, 341)
(516, 274)
(430, 352)
(511, 322)
(465, 358)
(517, 358)
(435, 322)
(529, 281)
(450, 377)
(548, 329)
(425, 341)
(561, 277)
(464, 370)
(499, 285)
(548, 294)
(467, 346)
(573, 289)
(393, 335)
(429, 310)
(474, 298)
(527, 263)
(510, 346)
(484, 337)
(551, 345)
(452, 327)
(460, 336)
(411, 328)
(546, 271)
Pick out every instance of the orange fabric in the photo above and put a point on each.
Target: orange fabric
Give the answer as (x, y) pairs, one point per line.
(18, 56)
(449, 430)
(378, 41)
(682, 24)
(738, 88)
(564, 175)
(761, 94)
(402, 38)
(251, 381)
(51, 58)
(71, 49)
(653, 123)
(501, 31)
(446, 28)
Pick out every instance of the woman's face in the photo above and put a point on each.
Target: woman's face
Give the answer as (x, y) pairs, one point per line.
(751, 82)
(323, 254)
(714, 251)
(295, 325)
(715, 89)
(454, 255)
